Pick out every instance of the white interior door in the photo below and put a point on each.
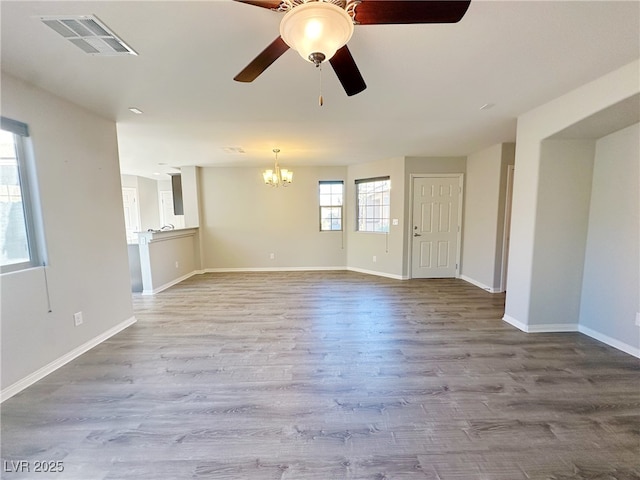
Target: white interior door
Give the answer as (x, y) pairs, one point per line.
(131, 213)
(436, 226)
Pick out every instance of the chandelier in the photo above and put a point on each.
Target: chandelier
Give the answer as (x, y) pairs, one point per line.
(277, 176)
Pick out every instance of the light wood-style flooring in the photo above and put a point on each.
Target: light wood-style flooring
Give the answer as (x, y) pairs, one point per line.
(331, 375)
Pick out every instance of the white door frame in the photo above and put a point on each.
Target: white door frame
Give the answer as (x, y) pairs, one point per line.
(133, 191)
(506, 234)
(412, 177)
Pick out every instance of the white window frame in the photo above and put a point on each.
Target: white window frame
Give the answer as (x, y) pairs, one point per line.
(332, 204)
(363, 217)
(26, 176)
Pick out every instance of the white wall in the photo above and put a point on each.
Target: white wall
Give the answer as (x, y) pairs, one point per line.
(483, 226)
(76, 156)
(130, 181)
(190, 178)
(610, 289)
(523, 299)
(243, 221)
(527, 304)
(432, 165)
(164, 187)
(508, 159)
(148, 201)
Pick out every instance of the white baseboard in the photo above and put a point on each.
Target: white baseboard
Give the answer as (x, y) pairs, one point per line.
(271, 269)
(39, 374)
(304, 269)
(553, 328)
(574, 327)
(612, 342)
(479, 284)
(546, 328)
(379, 274)
(515, 323)
(170, 284)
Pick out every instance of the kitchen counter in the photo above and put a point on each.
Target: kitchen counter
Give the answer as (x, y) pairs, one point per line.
(167, 257)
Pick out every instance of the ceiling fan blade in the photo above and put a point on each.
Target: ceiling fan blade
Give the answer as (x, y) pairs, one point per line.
(347, 71)
(270, 4)
(379, 12)
(262, 61)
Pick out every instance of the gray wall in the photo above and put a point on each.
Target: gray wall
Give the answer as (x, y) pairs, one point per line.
(149, 203)
(243, 221)
(148, 200)
(483, 228)
(566, 168)
(610, 288)
(166, 258)
(76, 156)
(525, 290)
(389, 249)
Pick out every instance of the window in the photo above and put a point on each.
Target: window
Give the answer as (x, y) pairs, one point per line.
(373, 204)
(331, 205)
(18, 246)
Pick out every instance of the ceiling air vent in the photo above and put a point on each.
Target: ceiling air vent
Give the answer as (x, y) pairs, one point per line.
(233, 149)
(89, 34)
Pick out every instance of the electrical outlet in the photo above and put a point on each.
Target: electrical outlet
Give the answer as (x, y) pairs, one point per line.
(177, 264)
(272, 256)
(77, 319)
(638, 319)
(375, 259)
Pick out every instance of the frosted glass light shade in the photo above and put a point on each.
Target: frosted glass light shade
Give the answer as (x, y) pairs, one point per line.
(287, 175)
(316, 27)
(277, 177)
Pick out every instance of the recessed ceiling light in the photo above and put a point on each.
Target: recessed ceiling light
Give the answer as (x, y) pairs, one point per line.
(135, 110)
(156, 173)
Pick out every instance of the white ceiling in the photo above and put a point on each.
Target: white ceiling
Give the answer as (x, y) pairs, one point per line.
(426, 83)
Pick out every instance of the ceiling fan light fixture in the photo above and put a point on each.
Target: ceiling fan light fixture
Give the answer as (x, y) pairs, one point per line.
(316, 29)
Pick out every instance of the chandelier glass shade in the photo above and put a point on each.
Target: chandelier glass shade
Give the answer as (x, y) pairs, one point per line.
(316, 30)
(278, 176)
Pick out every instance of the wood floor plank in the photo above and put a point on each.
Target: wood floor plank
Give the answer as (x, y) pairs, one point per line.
(330, 375)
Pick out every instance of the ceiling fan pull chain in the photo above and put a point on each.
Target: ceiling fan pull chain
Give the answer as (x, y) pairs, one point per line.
(320, 99)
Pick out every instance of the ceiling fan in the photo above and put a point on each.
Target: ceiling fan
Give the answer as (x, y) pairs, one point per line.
(320, 29)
